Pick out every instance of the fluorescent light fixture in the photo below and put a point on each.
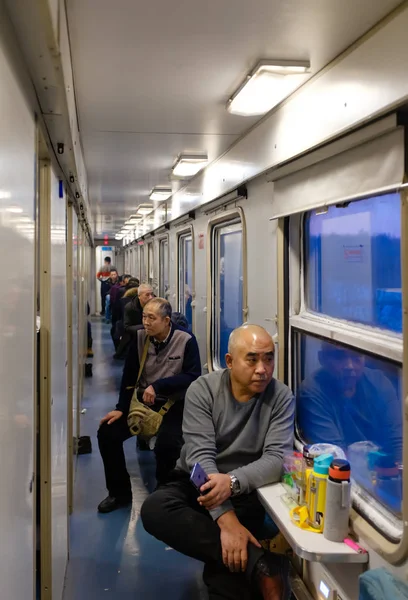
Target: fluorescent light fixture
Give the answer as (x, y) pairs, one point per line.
(188, 165)
(4, 195)
(14, 209)
(160, 193)
(144, 209)
(268, 84)
(127, 227)
(133, 219)
(119, 236)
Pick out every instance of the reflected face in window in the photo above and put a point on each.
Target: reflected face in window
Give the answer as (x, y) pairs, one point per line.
(344, 365)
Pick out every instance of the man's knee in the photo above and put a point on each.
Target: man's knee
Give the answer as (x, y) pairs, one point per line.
(108, 434)
(153, 511)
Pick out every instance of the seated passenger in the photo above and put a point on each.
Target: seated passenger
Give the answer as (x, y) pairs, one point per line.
(345, 402)
(238, 423)
(179, 319)
(116, 294)
(134, 310)
(130, 292)
(172, 364)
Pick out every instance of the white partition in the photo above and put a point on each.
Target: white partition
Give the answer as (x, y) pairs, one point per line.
(74, 320)
(58, 354)
(17, 331)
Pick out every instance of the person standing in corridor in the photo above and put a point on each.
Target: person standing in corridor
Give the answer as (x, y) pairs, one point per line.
(103, 276)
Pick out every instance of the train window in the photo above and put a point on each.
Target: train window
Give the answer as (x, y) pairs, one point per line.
(150, 265)
(354, 400)
(164, 287)
(227, 284)
(353, 262)
(136, 270)
(142, 265)
(185, 274)
(349, 392)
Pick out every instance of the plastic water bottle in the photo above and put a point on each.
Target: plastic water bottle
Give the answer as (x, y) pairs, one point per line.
(317, 486)
(338, 499)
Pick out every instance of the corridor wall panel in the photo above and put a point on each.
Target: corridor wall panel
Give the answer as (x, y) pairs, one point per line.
(17, 327)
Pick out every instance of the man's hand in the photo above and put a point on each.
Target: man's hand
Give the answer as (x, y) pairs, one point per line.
(149, 396)
(111, 417)
(234, 541)
(220, 490)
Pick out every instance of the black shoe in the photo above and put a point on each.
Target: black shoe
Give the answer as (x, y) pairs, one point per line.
(272, 565)
(110, 503)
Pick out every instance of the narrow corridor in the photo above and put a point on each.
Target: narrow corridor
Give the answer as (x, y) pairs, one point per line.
(111, 556)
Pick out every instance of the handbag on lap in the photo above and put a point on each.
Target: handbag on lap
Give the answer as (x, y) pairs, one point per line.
(142, 420)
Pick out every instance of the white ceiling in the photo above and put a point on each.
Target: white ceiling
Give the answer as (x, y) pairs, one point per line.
(152, 79)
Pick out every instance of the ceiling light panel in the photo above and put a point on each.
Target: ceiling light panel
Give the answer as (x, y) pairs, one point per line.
(188, 165)
(145, 209)
(133, 219)
(159, 194)
(268, 84)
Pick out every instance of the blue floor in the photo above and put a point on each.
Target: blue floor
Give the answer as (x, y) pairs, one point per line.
(111, 556)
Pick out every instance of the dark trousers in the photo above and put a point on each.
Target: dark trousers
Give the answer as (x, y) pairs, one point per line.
(173, 515)
(104, 292)
(113, 333)
(89, 336)
(167, 450)
(124, 344)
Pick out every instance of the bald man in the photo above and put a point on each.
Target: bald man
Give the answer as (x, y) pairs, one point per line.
(238, 423)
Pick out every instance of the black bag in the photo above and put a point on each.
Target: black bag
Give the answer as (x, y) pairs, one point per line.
(84, 445)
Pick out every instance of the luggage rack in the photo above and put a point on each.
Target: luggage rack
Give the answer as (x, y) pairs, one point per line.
(306, 544)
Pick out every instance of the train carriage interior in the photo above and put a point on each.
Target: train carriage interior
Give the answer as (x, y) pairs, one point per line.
(247, 163)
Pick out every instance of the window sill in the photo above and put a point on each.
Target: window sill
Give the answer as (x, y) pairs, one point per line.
(377, 341)
(307, 545)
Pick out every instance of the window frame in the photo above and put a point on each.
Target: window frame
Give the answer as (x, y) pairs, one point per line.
(135, 272)
(182, 235)
(375, 341)
(220, 220)
(161, 242)
(150, 263)
(142, 262)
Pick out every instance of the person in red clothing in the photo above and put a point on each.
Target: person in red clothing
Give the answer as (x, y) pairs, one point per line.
(103, 275)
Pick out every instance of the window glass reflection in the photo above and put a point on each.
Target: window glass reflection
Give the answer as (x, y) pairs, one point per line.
(229, 302)
(164, 269)
(353, 400)
(186, 278)
(353, 262)
(142, 264)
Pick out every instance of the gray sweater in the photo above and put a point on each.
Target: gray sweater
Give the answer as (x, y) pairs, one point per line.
(247, 440)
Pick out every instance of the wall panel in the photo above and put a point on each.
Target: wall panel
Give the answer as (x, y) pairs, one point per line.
(74, 320)
(17, 329)
(58, 425)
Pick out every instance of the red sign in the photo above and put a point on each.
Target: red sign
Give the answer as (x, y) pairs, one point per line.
(201, 241)
(353, 253)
